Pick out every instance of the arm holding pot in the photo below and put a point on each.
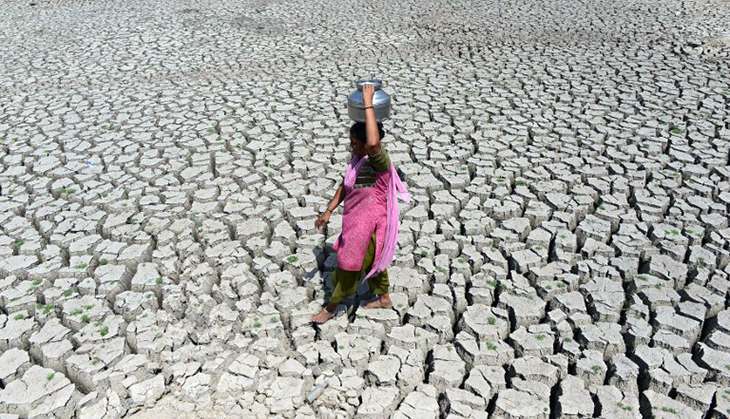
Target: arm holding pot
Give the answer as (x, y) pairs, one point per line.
(371, 124)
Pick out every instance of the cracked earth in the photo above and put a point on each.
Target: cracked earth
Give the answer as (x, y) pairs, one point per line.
(566, 253)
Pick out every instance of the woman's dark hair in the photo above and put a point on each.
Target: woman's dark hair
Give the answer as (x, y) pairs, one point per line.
(358, 132)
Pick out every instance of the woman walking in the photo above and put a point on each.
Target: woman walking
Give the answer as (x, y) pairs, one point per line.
(370, 223)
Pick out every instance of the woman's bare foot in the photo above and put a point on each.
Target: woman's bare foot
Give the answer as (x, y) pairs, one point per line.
(323, 316)
(382, 301)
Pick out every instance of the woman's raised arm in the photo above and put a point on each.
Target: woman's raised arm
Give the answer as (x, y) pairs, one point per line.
(371, 124)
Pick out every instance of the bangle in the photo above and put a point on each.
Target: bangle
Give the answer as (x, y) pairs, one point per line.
(328, 210)
(369, 107)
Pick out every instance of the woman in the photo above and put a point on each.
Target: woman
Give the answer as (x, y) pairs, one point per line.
(370, 189)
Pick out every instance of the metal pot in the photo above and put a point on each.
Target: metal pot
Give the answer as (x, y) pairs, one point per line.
(381, 102)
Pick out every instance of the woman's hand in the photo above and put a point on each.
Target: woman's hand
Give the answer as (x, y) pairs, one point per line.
(368, 91)
(323, 219)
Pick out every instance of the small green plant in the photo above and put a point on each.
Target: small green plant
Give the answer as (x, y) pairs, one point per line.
(66, 191)
(492, 283)
(82, 265)
(85, 318)
(256, 324)
(490, 345)
(596, 369)
(158, 281)
(676, 131)
(47, 309)
(272, 319)
(540, 338)
(104, 331)
(625, 407)
(669, 410)
(50, 376)
(17, 243)
(76, 312)
(292, 259)
(491, 320)
(19, 316)
(67, 292)
(88, 306)
(103, 262)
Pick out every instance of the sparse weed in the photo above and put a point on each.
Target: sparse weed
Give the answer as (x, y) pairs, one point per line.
(625, 407)
(669, 410)
(66, 192)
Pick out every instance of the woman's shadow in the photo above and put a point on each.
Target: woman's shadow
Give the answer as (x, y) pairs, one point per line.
(326, 264)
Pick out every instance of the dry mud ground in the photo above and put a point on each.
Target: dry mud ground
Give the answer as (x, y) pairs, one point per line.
(565, 254)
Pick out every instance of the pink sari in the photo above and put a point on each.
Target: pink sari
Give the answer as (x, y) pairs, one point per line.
(396, 190)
